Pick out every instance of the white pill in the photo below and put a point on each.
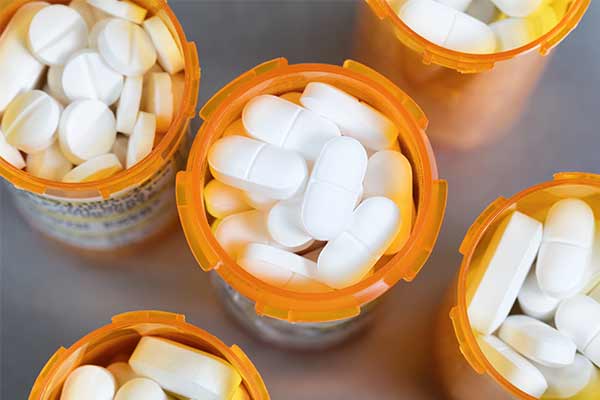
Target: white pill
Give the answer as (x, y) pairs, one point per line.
(279, 267)
(126, 47)
(183, 370)
(512, 366)
(460, 5)
(89, 14)
(389, 174)
(29, 123)
(89, 382)
(284, 124)
(121, 9)
(236, 231)
(222, 200)
(158, 99)
(168, 52)
(511, 253)
(129, 104)
(119, 148)
(518, 8)
(448, 27)
(56, 33)
(141, 140)
(236, 129)
(566, 382)
(258, 200)
(10, 154)
(534, 302)
(95, 169)
(346, 259)
(537, 341)
(293, 97)
(334, 188)
(579, 318)
(87, 76)
(566, 248)
(87, 130)
(20, 71)
(284, 223)
(141, 388)
(95, 32)
(49, 164)
(55, 85)
(122, 372)
(354, 118)
(483, 10)
(251, 165)
(517, 32)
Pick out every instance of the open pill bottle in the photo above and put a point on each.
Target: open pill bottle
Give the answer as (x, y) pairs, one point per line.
(453, 87)
(464, 370)
(120, 338)
(132, 205)
(284, 317)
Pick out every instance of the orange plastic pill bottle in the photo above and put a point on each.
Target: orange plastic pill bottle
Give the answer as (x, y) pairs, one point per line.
(309, 320)
(132, 205)
(117, 340)
(465, 372)
(470, 99)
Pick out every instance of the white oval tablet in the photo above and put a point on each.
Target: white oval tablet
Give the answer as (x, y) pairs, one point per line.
(141, 388)
(158, 99)
(49, 164)
(89, 382)
(534, 302)
(183, 370)
(129, 104)
(348, 258)
(168, 52)
(251, 165)
(284, 124)
(222, 200)
(126, 47)
(566, 382)
(30, 121)
(579, 318)
(122, 372)
(518, 8)
(355, 119)
(94, 169)
(334, 188)
(86, 76)
(87, 130)
(285, 224)
(119, 148)
(121, 9)
(141, 140)
(10, 154)
(57, 32)
(55, 86)
(511, 253)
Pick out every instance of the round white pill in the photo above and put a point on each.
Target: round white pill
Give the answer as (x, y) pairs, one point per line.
(141, 140)
(285, 224)
(518, 8)
(87, 130)
(141, 388)
(534, 302)
(512, 366)
(10, 154)
(119, 148)
(29, 123)
(334, 188)
(55, 86)
(538, 341)
(129, 104)
(169, 54)
(95, 169)
(89, 382)
(348, 258)
(57, 32)
(122, 372)
(126, 47)
(121, 9)
(158, 99)
(222, 200)
(579, 318)
(183, 370)
(566, 382)
(49, 164)
(258, 200)
(86, 76)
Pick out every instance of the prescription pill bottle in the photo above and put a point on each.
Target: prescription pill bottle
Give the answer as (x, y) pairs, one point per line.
(465, 372)
(309, 320)
(117, 340)
(470, 99)
(129, 207)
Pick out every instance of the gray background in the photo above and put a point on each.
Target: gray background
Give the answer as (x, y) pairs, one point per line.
(50, 297)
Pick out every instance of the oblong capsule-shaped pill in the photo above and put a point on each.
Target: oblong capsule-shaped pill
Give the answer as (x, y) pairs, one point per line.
(236, 231)
(89, 382)
(569, 381)
(353, 117)
(284, 223)
(223, 200)
(334, 188)
(509, 258)
(346, 259)
(251, 165)
(534, 302)
(566, 248)
(579, 318)
(284, 124)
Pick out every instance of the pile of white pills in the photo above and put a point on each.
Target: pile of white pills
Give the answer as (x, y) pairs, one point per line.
(110, 79)
(547, 276)
(480, 26)
(318, 172)
(158, 369)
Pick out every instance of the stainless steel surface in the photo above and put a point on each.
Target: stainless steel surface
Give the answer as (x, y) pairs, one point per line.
(51, 297)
